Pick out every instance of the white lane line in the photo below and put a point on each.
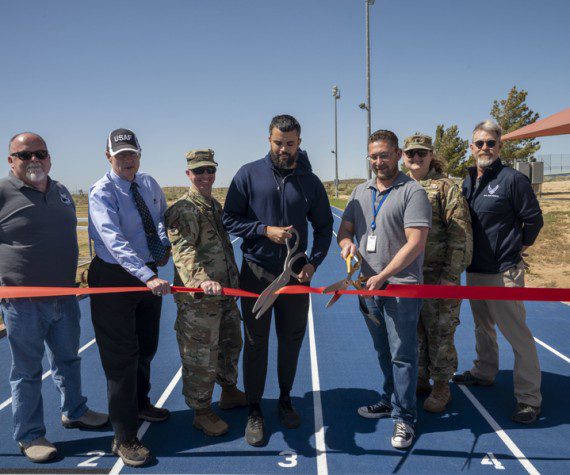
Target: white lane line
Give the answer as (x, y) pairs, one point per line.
(529, 467)
(119, 465)
(334, 214)
(8, 401)
(322, 468)
(336, 207)
(335, 234)
(235, 240)
(556, 352)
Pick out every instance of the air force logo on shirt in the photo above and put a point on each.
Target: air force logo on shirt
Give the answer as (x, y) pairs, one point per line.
(65, 199)
(492, 191)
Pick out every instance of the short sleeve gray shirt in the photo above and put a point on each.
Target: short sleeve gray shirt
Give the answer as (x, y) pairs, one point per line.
(38, 235)
(406, 206)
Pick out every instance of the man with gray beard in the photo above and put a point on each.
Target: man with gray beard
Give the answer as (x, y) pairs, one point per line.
(506, 220)
(38, 247)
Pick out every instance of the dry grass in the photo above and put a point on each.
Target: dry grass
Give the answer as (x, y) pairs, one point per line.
(549, 257)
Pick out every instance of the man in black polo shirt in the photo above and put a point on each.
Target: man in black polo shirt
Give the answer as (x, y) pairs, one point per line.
(506, 220)
(38, 247)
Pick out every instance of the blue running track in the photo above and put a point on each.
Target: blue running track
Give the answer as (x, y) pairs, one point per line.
(338, 372)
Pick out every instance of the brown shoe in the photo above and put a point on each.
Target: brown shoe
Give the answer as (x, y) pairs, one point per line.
(208, 422)
(439, 398)
(231, 397)
(152, 413)
(132, 452)
(38, 450)
(423, 388)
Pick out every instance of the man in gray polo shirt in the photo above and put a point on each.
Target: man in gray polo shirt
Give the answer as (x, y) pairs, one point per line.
(38, 247)
(390, 216)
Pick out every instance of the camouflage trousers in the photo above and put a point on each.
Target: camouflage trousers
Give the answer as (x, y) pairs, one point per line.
(210, 341)
(436, 331)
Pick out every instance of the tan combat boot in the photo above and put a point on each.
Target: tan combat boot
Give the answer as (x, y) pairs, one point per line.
(208, 422)
(231, 397)
(423, 388)
(439, 398)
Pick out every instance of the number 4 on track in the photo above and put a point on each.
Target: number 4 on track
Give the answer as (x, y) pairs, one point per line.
(490, 459)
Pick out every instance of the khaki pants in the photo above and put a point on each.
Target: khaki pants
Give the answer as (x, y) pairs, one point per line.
(510, 317)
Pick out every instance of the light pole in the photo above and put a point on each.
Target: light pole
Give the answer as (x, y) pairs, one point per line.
(336, 96)
(368, 109)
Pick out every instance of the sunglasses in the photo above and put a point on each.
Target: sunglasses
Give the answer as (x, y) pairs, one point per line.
(419, 153)
(25, 156)
(202, 170)
(490, 143)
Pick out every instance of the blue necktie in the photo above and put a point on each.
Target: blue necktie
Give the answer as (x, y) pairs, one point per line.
(155, 246)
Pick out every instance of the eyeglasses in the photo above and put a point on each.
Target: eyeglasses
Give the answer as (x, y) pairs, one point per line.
(202, 170)
(25, 156)
(490, 143)
(384, 157)
(420, 153)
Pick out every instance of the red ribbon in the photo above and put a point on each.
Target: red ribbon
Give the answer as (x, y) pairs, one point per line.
(392, 290)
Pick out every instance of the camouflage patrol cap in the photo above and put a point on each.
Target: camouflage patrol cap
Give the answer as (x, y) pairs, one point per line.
(418, 141)
(200, 158)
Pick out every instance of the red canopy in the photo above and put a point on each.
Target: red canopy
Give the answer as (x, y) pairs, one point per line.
(556, 124)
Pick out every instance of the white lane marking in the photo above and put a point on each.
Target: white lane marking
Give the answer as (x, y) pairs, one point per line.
(529, 467)
(119, 465)
(335, 234)
(235, 240)
(8, 401)
(339, 217)
(556, 352)
(336, 207)
(322, 468)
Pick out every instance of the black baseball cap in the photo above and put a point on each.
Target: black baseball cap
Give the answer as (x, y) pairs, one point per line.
(121, 140)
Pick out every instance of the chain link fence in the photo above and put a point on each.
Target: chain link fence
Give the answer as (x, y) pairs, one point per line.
(555, 163)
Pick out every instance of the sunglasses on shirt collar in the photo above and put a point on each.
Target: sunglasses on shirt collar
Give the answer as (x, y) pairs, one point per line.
(25, 156)
(202, 170)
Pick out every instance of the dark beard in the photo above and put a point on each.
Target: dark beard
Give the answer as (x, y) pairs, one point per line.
(286, 162)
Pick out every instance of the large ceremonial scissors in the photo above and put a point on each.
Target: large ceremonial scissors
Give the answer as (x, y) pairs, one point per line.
(352, 265)
(268, 296)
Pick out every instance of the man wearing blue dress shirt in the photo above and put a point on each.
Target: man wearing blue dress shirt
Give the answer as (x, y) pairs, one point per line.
(126, 211)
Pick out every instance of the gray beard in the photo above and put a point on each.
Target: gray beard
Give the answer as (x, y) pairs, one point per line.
(485, 162)
(35, 174)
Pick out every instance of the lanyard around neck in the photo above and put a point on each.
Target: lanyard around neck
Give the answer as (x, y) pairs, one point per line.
(376, 208)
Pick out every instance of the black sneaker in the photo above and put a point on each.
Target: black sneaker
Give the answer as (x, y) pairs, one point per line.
(288, 416)
(525, 414)
(153, 414)
(376, 411)
(132, 452)
(403, 435)
(254, 430)
(468, 379)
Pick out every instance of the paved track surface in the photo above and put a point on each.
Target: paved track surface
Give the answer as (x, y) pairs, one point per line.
(338, 372)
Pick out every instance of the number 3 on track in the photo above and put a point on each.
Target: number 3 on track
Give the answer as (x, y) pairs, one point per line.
(290, 459)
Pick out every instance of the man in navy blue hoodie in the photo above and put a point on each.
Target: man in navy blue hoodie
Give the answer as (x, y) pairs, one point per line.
(265, 200)
(506, 219)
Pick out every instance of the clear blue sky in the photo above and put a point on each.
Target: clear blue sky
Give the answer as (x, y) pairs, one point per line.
(211, 73)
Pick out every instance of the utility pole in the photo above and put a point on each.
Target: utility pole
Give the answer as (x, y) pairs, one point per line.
(336, 96)
(368, 108)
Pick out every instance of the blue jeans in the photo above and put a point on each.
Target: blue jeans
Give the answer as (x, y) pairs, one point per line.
(392, 323)
(31, 324)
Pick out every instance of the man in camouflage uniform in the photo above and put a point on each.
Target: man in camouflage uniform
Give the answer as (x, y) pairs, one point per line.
(448, 252)
(208, 325)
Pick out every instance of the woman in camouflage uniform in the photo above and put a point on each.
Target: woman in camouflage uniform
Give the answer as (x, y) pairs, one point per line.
(448, 252)
(208, 324)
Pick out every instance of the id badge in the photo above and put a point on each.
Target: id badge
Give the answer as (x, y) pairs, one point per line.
(371, 243)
